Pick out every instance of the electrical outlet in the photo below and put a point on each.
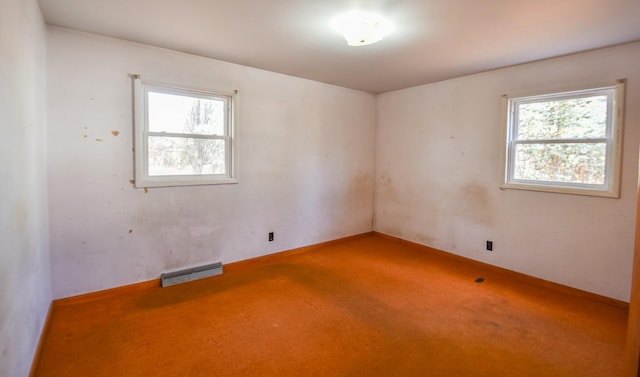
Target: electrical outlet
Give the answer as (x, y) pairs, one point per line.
(490, 245)
(270, 236)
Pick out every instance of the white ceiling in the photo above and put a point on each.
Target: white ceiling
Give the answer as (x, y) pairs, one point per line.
(433, 40)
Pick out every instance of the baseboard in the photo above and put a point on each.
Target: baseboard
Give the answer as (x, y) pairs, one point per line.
(106, 293)
(275, 257)
(235, 266)
(43, 336)
(524, 278)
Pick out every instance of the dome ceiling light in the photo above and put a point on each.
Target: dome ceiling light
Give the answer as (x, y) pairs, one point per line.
(361, 28)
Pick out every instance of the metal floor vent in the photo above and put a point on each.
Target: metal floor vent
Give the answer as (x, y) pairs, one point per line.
(189, 274)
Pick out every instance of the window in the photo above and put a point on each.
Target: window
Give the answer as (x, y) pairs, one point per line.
(567, 142)
(183, 137)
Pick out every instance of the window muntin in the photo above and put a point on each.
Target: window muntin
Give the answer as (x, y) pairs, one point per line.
(566, 142)
(183, 137)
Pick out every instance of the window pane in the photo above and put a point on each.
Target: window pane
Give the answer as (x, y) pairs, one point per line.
(184, 114)
(186, 156)
(563, 119)
(562, 162)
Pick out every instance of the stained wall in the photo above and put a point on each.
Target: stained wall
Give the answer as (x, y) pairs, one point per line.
(306, 166)
(438, 170)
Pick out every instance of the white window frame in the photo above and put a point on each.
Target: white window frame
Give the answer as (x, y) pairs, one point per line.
(142, 134)
(613, 140)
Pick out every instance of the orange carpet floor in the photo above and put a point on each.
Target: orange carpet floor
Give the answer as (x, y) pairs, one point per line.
(368, 306)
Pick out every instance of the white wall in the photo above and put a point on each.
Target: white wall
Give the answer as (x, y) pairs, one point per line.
(439, 166)
(307, 170)
(306, 166)
(25, 280)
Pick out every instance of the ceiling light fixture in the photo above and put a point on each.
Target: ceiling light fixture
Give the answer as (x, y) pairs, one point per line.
(361, 28)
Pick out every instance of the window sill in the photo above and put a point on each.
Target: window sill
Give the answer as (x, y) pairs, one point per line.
(181, 181)
(614, 194)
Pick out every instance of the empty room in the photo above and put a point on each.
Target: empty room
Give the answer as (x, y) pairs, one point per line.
(319, 188)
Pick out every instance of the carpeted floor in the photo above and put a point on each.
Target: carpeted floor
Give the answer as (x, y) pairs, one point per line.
(368, 306)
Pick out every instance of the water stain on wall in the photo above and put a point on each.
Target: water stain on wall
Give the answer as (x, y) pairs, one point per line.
(360, 191)
(474, 203)
(386, 188)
